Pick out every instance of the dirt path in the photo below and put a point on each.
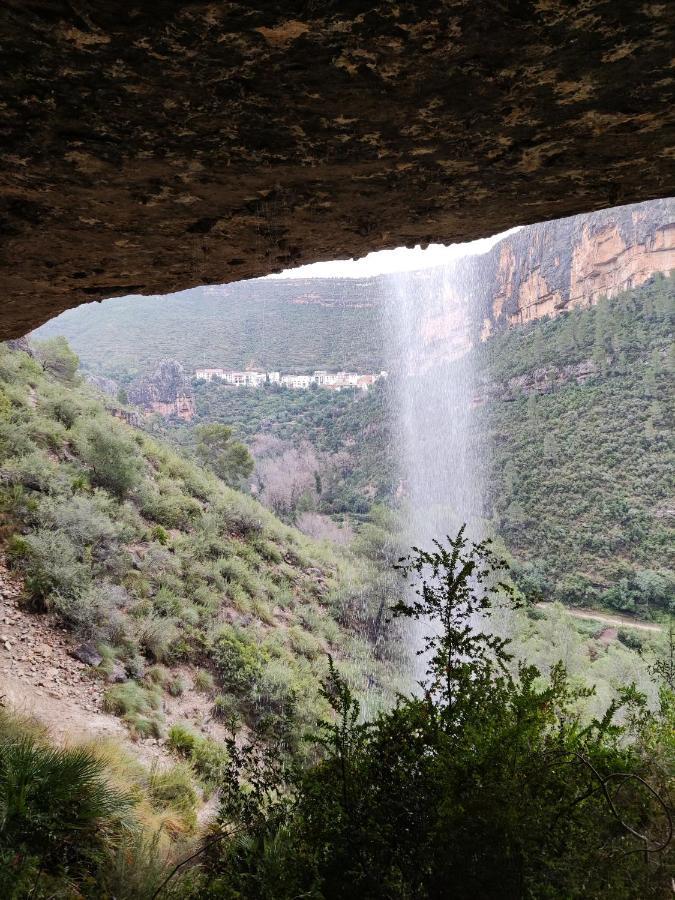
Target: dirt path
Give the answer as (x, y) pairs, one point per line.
(617, 621)
(40, 678)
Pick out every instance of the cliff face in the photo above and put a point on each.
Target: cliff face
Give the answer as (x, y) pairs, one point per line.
(165, 391)
(545, 269)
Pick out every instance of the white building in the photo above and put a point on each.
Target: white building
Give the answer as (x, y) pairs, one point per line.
(297, 381)
(335, 381)
(209, 374)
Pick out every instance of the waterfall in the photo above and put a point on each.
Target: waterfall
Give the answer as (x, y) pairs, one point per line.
(428, 332)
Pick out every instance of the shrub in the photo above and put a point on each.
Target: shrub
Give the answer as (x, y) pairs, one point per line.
(240, 515)
(181, 739)
(174, 789)
(96, 612)
(112, 456)
(210, 761)
(155, 637)
(225, 709)
(203, 681)
(166, 603)
(167, 506)
(239, 661)
(64, 410)
(159, 534)
(82, 519)
(176, 686)
(58, 813)
(630, 638)
(51, 566)
(158, 675)
(236, 572)
(208, 758)
(138, 706)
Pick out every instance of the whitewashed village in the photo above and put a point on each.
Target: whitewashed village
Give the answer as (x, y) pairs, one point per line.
(333, 381)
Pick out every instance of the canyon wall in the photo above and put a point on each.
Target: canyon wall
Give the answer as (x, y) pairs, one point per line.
(551, 267)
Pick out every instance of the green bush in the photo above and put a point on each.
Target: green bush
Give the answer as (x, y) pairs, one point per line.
(112, 456)
(203, 681)
(50, 563)
(155, 637)
(138, 706)
(239, 661)
(174, 789)
(176, 686)
(160, 534)
(210, 761)
(181, 739)
(226, 709)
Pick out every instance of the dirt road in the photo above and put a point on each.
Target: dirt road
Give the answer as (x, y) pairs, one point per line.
(616, 621)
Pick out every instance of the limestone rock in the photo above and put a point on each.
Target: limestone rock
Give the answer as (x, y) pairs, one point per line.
(117, 674)
(166, 391)
(105, 385)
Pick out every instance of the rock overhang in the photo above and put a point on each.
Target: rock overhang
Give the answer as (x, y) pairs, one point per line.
(150, 147)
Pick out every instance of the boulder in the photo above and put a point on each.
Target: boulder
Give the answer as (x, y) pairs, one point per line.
(87, 654)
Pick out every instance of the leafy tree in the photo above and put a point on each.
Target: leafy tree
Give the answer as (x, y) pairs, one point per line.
(486, 785)
(227, 458)
(57, 358)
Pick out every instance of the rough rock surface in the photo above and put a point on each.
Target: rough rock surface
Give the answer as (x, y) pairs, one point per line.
(548, 268)
(166, 391)
(150, 146)
(107, 386)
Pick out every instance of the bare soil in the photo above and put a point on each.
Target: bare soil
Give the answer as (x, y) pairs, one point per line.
(613, 620)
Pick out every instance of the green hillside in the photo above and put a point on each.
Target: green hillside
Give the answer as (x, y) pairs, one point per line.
(292, 325)
(350, 430)
(579, 478)
(160, 564)
(174, 579)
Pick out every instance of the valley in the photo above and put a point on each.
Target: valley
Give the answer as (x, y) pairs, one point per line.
(196, 568)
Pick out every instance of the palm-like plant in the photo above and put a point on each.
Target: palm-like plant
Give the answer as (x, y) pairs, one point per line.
(58, 814)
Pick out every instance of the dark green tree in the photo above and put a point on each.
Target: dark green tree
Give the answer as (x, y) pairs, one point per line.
(228, 459)
(113, 457)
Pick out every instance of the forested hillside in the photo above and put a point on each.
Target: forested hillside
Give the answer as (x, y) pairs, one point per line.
(349, 432)
(291, 325)
(579, 419)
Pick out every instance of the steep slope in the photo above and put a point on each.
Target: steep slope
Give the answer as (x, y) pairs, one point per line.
(546, 269)
(293, 325)
(579, 418)
(177, 586)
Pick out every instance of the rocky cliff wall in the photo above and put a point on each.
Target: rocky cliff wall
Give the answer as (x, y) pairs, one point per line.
(165, 391)
(545, 269)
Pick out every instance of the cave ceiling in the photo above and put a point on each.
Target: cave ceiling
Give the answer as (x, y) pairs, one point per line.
(148, 147)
